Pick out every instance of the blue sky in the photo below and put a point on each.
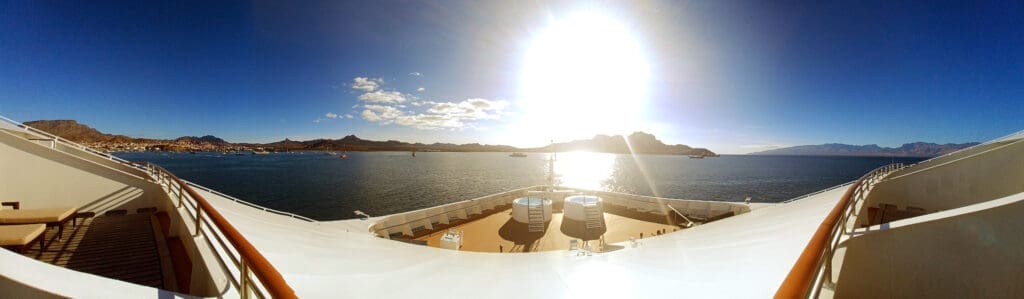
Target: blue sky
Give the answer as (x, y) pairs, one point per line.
(733, 76)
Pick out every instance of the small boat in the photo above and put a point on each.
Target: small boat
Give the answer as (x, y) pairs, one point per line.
(517, 155)
(344, 156)
(260, 152)
(696, 157)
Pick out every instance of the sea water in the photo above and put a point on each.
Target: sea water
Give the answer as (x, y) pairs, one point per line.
(326, 187)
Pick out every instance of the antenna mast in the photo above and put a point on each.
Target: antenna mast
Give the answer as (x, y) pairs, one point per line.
(551, 165)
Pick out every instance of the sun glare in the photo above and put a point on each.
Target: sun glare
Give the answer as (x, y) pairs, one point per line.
(583, 75)
(584, 169)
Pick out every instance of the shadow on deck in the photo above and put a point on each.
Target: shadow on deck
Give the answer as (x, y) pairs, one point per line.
(121, 247)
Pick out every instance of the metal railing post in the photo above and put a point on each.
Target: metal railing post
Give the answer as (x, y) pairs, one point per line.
(199, 219)
(243, 279)
(180, 196)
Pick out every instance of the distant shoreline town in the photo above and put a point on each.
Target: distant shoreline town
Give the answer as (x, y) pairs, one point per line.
(638, 143)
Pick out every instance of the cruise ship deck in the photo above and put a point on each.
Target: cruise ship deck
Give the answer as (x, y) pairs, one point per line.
(121, 247)
(498, 232)
(946, 227)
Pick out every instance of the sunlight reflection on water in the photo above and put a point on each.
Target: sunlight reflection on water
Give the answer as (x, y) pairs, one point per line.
(585, 170)
(380, 183)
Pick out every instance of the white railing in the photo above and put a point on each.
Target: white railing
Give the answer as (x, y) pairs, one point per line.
(1000, 139)
(813, 270)
(248, 270)
(442, 210)
(139, 166)
(1003, 138)
(656, 203)
(819, 192)
(89, 151)
(385, 227)
(251, 205)
(64, 141)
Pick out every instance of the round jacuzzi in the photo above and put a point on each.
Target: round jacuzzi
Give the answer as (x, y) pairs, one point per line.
(574, 207)
(520, 208)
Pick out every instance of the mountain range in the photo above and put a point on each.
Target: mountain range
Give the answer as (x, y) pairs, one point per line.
(638, 142)
(916, 149)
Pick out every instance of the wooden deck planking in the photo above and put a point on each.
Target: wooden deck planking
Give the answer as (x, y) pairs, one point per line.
(119, 247)
(498, 232)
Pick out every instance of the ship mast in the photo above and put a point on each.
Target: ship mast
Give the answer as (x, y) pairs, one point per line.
(551, 166)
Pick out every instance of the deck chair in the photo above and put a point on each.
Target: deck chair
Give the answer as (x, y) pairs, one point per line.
(20, 237)
(49, 216)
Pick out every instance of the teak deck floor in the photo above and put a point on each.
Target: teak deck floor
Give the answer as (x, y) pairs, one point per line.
(119, 247)
(497, 232)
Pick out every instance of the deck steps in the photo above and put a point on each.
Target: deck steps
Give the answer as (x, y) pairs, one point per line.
(535, 213)
(594, 216)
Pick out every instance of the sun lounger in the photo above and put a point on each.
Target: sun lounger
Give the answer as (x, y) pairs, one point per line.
(19, 237)
(50, 216)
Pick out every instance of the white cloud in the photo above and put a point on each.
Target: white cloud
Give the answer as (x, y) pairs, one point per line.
(430, 121)
(371, 116)
(388, 107)
(444, 115)
(380, 96)
(366, 84)
(331, 115)
(471, 109)
(317, 121)
(388, 112)
(382, 114)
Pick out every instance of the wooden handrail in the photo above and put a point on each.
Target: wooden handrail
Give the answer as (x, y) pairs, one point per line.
(803, 274)
(253, 260)
(800, 278)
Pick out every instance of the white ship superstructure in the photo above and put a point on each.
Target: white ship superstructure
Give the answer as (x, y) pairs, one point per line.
(947, 227)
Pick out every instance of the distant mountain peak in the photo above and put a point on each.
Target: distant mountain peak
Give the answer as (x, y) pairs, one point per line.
(915, 149)
(205, 139)
(635, 143)
(70, 129)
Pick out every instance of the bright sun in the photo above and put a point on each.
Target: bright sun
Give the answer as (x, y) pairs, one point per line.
(583, 75)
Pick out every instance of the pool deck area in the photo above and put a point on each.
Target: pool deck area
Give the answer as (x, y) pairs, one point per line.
(498, 232)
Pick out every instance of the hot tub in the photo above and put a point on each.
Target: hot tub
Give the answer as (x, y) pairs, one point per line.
(574, 206)
(520, 211)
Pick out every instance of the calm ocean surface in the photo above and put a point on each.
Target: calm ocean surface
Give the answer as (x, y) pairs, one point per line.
(326, 187)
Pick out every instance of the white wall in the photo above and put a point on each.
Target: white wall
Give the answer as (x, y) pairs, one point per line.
(972, 255)
(971, 179)
(40, 177)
